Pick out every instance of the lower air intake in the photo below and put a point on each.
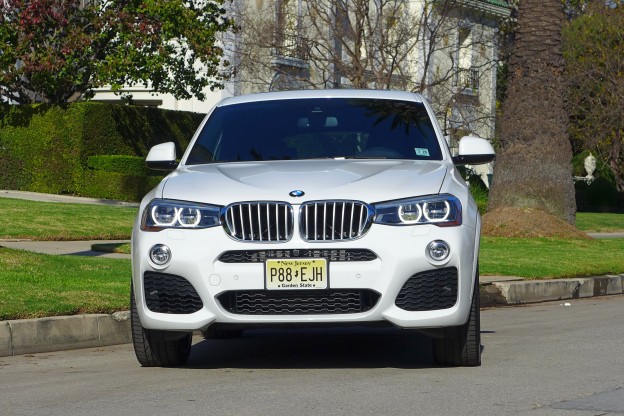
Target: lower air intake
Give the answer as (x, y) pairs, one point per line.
(429, 291)
(168, 293)
(298, 302)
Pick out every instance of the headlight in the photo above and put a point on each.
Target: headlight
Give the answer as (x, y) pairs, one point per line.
(162, 213)
(442, 210)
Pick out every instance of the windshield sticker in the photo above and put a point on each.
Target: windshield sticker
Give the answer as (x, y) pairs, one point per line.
(421, 152)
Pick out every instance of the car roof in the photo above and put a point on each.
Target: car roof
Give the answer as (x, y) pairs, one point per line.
(336, 93)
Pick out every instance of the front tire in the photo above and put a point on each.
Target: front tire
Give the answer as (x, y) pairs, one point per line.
(155, 348)
(461, 346)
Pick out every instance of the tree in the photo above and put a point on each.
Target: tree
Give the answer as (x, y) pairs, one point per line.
(58, 51)
(445, 49)
(594, 54)
(533, 167)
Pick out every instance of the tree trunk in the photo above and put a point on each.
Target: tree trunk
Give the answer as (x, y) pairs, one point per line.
(534, 164)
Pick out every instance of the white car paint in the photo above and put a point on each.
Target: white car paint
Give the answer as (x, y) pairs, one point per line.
(400, 250)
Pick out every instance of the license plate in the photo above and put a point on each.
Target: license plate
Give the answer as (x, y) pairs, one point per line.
(296, 274)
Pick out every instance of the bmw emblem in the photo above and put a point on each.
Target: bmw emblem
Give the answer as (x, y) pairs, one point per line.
(296, 193)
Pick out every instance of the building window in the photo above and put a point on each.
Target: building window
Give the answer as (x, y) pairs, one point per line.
(466, 78)
(288, 42)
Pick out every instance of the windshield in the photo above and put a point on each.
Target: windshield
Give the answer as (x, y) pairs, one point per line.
(316, 128)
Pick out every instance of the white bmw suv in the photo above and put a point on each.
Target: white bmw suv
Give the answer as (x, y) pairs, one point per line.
(327, 207)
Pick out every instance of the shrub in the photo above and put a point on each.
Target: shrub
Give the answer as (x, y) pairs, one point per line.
(601, 196)
(47, 148)
(113, 185)
(129, 165)
(481, 197)
(478, 188)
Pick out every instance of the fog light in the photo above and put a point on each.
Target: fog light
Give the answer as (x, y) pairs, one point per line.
(438, 250)
(160, 254)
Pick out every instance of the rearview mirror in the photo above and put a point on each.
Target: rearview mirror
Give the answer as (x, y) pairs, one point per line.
(162, 157)
(474, 151)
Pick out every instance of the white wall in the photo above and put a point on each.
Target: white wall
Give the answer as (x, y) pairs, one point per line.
(144, 96)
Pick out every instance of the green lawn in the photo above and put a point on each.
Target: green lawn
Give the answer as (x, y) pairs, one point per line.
(599, 222)
(546, 258)
(35, 285)
(59, 221)
(121, 248)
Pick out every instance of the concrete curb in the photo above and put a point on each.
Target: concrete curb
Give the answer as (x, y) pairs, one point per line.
(27, 336)
(534, 291)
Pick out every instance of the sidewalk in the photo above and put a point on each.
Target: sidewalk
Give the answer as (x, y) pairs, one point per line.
(27, 336)
(74, 248)
(69, 199)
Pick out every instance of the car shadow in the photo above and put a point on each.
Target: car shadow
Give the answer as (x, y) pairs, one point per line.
(314, 349)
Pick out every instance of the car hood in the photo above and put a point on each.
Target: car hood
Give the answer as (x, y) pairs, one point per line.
(365, 180)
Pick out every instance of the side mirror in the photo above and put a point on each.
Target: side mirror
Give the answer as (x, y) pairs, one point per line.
(474, 151)
(162, 157)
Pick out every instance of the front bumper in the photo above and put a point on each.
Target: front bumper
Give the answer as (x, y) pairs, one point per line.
(400, 255)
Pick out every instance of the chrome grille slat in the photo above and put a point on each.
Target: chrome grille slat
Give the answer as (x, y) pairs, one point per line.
(362, 222)
(334, 220)
(324, 218)
(287, 210)
(242, 223)
(250, 221)
(277, 225)
(260, 227)
(267, 221)
(259, 221)
(268, 212)
(306, 226)
(232, 221)
(315, 222)
(342, 221)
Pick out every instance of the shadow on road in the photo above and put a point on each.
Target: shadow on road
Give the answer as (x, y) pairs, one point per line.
(316, 348)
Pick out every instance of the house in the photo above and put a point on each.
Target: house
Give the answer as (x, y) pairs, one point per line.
(445, 49)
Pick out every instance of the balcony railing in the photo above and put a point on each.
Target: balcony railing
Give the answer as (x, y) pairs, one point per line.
(467, 80)
(291, 47)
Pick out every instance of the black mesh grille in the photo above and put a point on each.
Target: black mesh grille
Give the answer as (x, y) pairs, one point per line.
(259, 256)
(167, 293)
(431, 290)
(298, 302)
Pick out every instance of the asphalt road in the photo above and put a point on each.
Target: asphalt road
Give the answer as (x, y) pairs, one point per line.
(546, 359)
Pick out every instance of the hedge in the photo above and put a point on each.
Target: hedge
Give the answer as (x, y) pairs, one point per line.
(112, 185)
(130, 165)
(46, 148)
(598, 196)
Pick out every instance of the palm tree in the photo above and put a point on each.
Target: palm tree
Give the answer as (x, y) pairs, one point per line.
(533, 168)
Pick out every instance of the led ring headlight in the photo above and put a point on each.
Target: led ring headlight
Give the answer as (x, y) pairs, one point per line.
(433, 214)
(442, 210)
(408, 216)
(163, 213)
(188, 217)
